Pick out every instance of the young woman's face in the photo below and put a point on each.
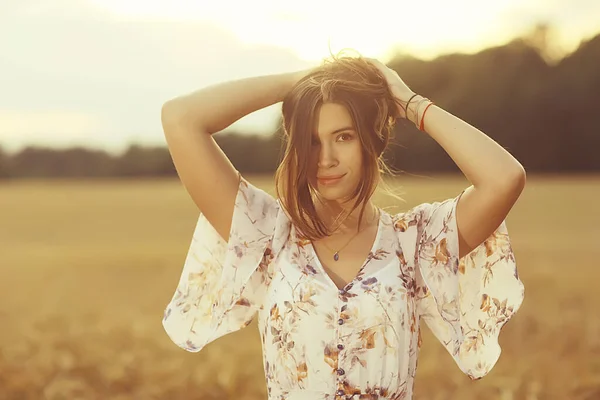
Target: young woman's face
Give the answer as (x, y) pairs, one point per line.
(335, 153)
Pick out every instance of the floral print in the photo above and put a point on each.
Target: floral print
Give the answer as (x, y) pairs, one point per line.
(361, 341)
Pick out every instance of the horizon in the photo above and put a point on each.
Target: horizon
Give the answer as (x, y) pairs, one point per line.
(86, 73)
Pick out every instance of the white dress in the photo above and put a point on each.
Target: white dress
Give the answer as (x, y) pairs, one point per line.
(320, 342)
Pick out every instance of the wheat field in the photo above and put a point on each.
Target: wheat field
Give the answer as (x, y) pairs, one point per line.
(87, 268)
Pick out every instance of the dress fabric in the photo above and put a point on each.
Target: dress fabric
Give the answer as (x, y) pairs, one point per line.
(360, 342)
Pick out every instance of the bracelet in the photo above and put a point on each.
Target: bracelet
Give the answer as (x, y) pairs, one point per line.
(416, 121)
(408, 103)
(422, 125)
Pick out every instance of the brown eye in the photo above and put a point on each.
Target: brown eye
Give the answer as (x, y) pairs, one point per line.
(347, 137)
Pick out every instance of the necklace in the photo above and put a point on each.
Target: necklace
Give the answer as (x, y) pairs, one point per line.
(336, 254)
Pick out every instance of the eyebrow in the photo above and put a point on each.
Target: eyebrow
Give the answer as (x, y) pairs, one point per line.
(346, 128)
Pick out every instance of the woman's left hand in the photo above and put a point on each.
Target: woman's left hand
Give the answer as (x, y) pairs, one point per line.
(399, 89)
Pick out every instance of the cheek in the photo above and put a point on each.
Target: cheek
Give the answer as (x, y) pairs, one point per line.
(353, 158)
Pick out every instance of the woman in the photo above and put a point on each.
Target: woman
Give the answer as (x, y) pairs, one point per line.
(339, 284)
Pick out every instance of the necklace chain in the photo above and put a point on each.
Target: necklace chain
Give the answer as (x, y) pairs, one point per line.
(336, 254)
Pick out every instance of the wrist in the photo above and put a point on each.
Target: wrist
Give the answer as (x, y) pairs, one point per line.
(402, 95)
(412, 107)
(404, 98)
(416, 110)
(290, 79)
(299, 75)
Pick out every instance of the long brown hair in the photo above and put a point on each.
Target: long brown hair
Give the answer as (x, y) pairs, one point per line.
(362, 89)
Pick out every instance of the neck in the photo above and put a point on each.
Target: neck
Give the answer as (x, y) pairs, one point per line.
(337, 215)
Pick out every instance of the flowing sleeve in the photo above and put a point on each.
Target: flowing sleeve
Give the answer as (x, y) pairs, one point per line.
(223, 283)
(465, 302)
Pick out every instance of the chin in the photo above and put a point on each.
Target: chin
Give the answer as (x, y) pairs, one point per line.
(334, 194)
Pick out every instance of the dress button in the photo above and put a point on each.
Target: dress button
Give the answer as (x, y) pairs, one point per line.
(340, 392)
(340, 371)
(342, 291)
(340, 321)
(340, 347)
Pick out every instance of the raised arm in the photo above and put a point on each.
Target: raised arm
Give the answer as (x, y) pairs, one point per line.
(190, 120)
(497, 177)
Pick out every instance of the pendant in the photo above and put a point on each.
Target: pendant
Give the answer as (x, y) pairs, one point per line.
(336, 256)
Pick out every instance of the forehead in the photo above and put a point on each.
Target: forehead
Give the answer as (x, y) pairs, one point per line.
(331, 117)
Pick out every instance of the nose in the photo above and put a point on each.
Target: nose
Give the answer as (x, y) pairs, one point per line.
(327, 157)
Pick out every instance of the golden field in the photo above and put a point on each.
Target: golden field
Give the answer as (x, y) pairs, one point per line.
(88, 267)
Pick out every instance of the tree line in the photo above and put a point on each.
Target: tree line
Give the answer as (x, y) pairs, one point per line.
(544, 112)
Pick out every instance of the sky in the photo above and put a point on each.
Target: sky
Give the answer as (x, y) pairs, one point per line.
(96, 72)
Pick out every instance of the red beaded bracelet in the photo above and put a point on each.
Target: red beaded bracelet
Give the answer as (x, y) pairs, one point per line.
(421, 126)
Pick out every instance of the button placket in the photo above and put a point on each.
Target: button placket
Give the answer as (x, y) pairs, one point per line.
(342, 304)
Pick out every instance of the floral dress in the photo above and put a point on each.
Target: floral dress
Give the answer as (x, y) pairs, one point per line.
(361, 341)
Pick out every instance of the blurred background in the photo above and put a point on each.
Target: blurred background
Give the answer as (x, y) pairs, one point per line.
(95, 225)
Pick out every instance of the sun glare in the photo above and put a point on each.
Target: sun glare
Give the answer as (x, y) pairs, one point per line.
(308, 28)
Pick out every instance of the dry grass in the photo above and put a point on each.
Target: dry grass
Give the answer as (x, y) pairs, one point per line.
(87, 268)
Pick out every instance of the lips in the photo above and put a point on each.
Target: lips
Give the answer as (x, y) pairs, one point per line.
(324, 178)
(330, 179)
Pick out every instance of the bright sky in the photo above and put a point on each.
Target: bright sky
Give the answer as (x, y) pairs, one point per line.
(95, 72)
(426, 29)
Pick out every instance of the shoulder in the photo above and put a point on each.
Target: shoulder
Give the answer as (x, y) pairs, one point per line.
(422, 214)
(411, 218)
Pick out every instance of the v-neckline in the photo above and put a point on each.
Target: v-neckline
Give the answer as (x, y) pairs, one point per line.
(364, 263)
